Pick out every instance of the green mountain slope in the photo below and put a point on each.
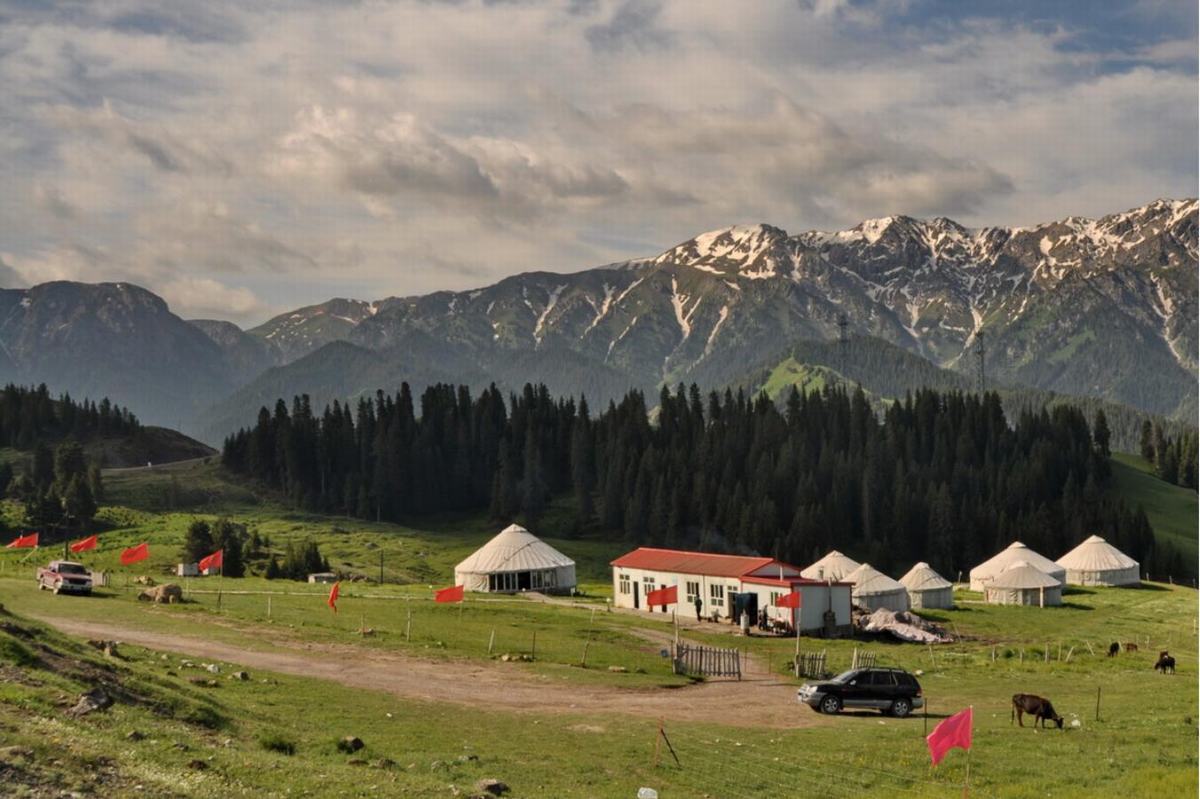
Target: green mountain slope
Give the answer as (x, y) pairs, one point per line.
(1172, 510)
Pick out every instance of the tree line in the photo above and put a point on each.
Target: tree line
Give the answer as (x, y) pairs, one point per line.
(31, 415)
(58, 489)
(1174, 456)
(938, 476)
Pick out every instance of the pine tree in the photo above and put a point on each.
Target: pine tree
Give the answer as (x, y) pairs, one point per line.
(197, 542)
(1101, 434)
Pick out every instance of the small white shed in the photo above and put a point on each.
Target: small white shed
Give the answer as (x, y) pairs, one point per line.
(834, 566)
(1023, 584)
(926, 588)
(874, 590)
(1097, 562)
(1015, 552)
(516, 560)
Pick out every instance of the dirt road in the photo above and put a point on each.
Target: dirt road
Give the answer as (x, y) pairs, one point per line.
(758, 702)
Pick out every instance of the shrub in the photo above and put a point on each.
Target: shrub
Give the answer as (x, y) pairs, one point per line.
(274, 742)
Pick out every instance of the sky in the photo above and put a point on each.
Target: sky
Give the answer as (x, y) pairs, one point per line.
(242, 159)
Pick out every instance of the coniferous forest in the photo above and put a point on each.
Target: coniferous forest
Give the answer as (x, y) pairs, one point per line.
(30, 415)
(938, 476)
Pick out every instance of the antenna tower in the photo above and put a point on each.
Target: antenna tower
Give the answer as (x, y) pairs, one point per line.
(980, 355)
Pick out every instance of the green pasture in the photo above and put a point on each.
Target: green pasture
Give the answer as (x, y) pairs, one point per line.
(1172, 510)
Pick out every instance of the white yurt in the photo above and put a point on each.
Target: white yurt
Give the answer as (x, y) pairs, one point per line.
(926, 588)
(1023, 584)
(874, 590)
(1097, 562)
(516, 560)
(982, 574)
(834, 566)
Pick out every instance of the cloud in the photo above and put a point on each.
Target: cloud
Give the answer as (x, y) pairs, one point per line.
(201, 298)
(307, 149)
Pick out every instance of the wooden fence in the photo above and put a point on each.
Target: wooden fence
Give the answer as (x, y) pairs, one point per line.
(862, 659)
(810, 664)
(707, 661)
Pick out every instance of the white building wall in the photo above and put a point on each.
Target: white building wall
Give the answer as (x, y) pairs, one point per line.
(712, 599)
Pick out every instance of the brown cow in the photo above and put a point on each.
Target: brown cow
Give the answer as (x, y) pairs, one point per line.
(1130, 646)
(1036, 706)
(1165, 663)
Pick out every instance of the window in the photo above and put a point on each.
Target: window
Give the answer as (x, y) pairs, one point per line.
(648, 582)
(693, 591)
(717, 592)
(623, 583)
(775, 598)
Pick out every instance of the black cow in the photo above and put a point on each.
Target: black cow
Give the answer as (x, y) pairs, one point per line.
(1036, 706)
(1165, 663)
(1113, 649)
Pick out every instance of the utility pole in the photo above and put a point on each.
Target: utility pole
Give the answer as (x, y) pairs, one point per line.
(980, 355)
(381, 567)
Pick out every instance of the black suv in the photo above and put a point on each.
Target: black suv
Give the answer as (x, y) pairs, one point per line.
(893, 691)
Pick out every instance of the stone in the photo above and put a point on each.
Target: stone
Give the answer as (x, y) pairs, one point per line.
(197, 765)
(212, 668)
(134, 735)
(93, 700)
(23, 752)
(467, 758)
(165, 594)
(491, 786)
(383, 763)
(240, 675)
(356, 761)
(617, 669)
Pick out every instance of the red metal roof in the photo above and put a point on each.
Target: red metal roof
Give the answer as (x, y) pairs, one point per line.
(677, 560)
(786, 582)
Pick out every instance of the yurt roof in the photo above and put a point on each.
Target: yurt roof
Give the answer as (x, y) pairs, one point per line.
(922, 577)
(514, 549)
(1022, 575)
(834, 566)
(1013, 553)
(868, 581)
(1096, 555)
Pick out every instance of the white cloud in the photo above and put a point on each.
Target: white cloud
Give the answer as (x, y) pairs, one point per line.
(404, 147)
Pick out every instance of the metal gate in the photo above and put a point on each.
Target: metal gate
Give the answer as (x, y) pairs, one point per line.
(707, 661)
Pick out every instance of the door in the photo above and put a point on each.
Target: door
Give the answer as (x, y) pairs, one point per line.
(636, 603)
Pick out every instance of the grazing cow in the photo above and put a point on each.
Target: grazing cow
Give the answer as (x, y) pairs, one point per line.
(1165, 663)
(1130, 646)
(1036, 706)
(1113, 649)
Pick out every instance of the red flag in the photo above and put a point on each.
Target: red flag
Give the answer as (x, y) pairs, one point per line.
(454, 594)
(135, 554)
(663, 596)
(333, 596)
(791, 600)
(24, 542)
(952, 732)
(214, 561)
(84, 545)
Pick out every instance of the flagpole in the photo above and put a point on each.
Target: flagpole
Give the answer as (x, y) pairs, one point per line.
(967, 781)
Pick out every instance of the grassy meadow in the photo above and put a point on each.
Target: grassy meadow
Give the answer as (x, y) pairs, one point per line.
(1143, 743)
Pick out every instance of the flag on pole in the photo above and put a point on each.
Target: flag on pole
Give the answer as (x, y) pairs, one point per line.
(84, 545)
(214, 561)
(453, 594)
(135, 554)
(663, 596)
(24, 542)
(950, 733)
(791, 600)
(333, 596)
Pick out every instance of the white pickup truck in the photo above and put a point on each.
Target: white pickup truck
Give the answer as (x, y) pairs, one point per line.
(65, 577)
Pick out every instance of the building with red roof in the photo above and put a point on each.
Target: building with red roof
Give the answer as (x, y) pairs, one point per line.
(717, 587)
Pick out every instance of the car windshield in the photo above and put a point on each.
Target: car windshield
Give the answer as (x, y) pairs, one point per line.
(845, 676)
(71, 568)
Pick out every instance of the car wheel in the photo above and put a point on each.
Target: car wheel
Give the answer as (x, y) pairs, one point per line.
(901, 708)
(831, 704)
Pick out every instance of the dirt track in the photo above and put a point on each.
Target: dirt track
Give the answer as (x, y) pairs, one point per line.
(758, 702)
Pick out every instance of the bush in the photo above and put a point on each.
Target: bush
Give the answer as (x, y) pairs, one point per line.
(274, 742)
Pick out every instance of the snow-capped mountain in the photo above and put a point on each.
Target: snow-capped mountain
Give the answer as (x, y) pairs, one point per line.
(1103, 307)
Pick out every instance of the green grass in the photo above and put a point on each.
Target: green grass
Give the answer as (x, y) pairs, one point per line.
(1172, 510)
(1143, 744)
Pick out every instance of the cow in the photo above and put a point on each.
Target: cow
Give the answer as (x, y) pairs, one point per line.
(1113, 649)
(1165, 663)
(1130, 646)
(1036, 706)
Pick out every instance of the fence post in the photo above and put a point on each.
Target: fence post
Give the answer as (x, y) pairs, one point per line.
(533, 649)
(492, 641)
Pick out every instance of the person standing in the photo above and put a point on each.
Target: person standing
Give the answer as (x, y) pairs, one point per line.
(698, 605)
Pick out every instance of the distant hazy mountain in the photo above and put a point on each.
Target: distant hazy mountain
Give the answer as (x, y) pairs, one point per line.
(1103, 308)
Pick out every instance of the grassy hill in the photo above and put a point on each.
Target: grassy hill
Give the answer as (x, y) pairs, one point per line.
(1172, 510)
(207, 734)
